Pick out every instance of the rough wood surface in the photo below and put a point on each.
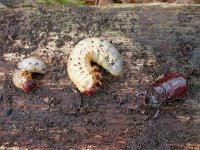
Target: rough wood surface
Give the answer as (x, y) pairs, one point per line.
(57, 116)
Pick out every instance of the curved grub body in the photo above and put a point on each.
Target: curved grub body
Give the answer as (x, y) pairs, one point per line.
(96, 50)
(171, 85)
(22, 78)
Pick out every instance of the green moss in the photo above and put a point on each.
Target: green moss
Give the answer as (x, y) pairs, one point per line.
(63, 2)
(79, 2)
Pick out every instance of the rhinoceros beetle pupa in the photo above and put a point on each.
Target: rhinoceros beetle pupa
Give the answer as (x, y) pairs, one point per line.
(171, 85)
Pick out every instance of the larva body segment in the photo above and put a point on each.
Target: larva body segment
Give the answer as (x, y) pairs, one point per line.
(99, 51)
(22, 78)
(32, 64)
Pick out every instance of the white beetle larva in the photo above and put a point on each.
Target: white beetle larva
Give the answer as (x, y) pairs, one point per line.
(22, 78)
(96, 50)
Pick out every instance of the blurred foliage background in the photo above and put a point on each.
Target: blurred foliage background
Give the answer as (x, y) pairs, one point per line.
(16, 3)
(63, 2)
(41, 2)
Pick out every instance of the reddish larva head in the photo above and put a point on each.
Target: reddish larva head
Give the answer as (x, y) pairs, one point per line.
(88, 92)
(29, 85)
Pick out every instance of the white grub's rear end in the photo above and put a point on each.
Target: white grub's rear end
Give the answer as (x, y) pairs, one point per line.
(97, 50)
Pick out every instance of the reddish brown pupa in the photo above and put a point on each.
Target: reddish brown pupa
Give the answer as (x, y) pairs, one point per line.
(171, 86)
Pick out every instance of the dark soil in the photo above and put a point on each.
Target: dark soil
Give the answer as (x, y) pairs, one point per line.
(55, 115)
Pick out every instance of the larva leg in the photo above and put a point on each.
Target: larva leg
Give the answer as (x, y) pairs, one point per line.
(27, 75)
(95, 68)
(98, 83)
(98, 75)
(94, 72)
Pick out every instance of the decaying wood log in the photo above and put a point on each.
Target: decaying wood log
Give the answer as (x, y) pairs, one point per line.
(55, 115)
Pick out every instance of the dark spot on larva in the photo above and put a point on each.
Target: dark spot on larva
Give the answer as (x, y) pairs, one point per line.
(102, 49)
(101, 45)
(79, 63)
(101, 40)
(107, 57)
(82, 71)
(92, 45)
(112, 62)
(29, 63)
(80, 67)
(70, 59)
(75, 65)
(36, 63)
(79, 58)
(98, 50)
(92, 41)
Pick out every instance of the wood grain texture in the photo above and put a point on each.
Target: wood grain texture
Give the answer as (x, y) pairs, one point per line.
(56, 116)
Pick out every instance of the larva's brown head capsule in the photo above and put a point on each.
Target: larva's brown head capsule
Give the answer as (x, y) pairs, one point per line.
(29, 85)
